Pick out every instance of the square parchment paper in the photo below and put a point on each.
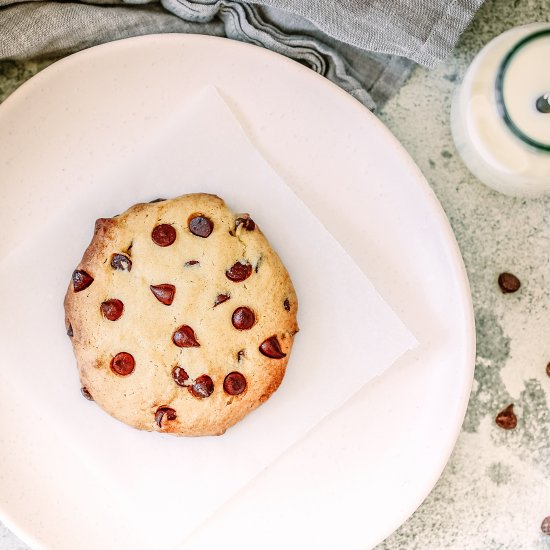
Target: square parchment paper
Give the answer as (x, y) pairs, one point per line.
(348, 333)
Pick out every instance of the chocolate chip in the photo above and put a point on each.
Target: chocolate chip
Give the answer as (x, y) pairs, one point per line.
(506, 419)
(120, 261)
(240, 355)
(163, 235)
(70, 332)
(271, 348)
(180, 376)
(164, 293)
(191, 262)
(84, 391)
(156, 200)
(162, 412)
(220, 299)
(184, 337)
(112, 309)
(200, 225)
(243, 318)
(123, 363)
(202, 387)
(547, 368)
(286, 304)
(545, 525)
(239, 272)
(508, 283)
(234, 383)
(246, 221)
(81, 280)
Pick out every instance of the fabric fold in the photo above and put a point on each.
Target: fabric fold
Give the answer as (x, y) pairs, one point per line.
(245, 22)
(366, 47)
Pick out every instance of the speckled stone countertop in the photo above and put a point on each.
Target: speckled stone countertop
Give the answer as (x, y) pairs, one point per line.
(495, 491)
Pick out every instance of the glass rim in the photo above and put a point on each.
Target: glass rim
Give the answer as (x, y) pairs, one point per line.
(499, 92)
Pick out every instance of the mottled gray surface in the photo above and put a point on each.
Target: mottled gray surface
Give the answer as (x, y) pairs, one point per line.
(495, 490)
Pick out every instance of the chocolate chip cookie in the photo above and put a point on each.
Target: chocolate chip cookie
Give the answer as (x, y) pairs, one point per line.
(181, 316)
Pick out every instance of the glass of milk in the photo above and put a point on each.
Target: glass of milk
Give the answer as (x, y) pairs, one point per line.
(500, 116)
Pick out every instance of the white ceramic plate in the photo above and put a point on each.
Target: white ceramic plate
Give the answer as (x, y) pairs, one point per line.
(361, 472)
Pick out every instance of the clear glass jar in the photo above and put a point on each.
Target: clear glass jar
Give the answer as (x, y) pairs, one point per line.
(500, 116)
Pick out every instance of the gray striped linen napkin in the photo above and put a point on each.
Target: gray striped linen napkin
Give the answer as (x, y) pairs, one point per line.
(367, 47)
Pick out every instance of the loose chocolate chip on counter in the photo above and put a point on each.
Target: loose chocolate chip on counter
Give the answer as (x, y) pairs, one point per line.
(84, 391)
(506, 418)
(123, 363)
(545, 525)
(163, 234)
(243, 318)
(234, 383)
(240, 355)
(191, 262)
(70, 332)
(286, 304)
(239, 272)
(81, 280)
(162, 412)
(271, 348)
(184, 337)
(202, 387)
(180, 376)
(156, 200)
(120, 261)
(112, 309)
(508, 283)
(164, 293)
(220, 299)
(200, 225)
(246, 222)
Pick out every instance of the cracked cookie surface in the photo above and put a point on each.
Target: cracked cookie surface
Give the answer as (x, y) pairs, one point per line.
(181, 316)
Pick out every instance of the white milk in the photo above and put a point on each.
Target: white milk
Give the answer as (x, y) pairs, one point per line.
(500, 133)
